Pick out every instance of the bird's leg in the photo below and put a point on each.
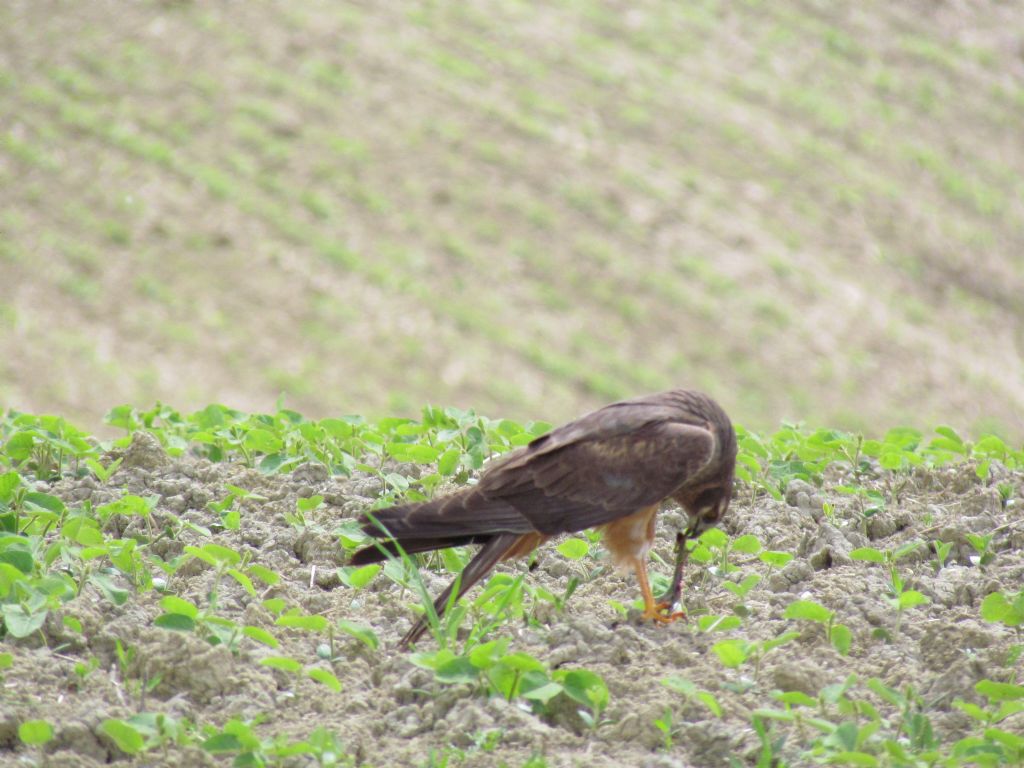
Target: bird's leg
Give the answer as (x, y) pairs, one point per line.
(670, 599)
(652, 610)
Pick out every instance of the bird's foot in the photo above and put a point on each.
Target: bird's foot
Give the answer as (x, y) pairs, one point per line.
(664, 613)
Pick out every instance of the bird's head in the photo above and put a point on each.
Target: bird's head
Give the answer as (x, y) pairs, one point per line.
(707, 507)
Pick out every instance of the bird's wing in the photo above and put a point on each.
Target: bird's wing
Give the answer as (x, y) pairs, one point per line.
(581, 478)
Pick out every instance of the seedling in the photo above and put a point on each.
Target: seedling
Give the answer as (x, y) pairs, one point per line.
(982, 554)
(901, 599)
(303, 507)
(870, 502)
(714, 547)
(740, 590)
(690, 691)
(735, 652)
(994, 745)
(942, 550)
(1005, 608)
(558, 601)
(225, 508)
(668, 730)
(103, 473)
(775, 560)
(838, 634)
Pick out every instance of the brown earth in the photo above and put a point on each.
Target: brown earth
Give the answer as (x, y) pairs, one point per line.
(390, 712)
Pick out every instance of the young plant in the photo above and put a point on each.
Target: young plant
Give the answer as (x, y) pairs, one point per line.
(668, 730)
(982, 554)
(735, 652)
(942, 550)
(690, 691)
(807, 610)
(901, 599)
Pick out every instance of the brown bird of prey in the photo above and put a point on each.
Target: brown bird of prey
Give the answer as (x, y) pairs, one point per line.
(610, 469)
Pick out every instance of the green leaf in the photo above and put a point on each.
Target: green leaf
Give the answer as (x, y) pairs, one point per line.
(542, 691)
(584, 686)
(523, 662)
(994, 691)
(360, 632)
(486, 655)
(995, 607)
(15, 551)
(574, 548)
(808, 610)
(260, 636)
(309, 504)
(83, 531)
(358, 577)
(115, 594)
(912, 598)
(35, 501)
(448, 462)
(713, 623)
(19, 621)
(9, 575)
(174, 604)
(215, 555)
(275, 605)
(731, 653)
(325, 677)
(795, 699)
(264, 574)
(870, 554)
(128, 505)
(283, 663)
(1012, 742)
(842, 638)
(973, 710)
(775, 642)
(741, 589)
(413, 452)
(747, 544)
(262, 441)
(457, 670)
(125, 736)
(714, 538)
(311, 623)
(853, 758)
(242, 579)
(176, 622)
(950, 434)
(35, 732)
(222, 743)
(776, 559)
(709, 701)
(19, 446)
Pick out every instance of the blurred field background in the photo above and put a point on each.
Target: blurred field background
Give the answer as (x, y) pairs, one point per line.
(812, 210)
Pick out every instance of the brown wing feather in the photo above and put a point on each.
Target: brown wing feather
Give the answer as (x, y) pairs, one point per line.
(586, 483)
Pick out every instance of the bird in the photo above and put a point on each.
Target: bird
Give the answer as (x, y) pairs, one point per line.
(609, 469)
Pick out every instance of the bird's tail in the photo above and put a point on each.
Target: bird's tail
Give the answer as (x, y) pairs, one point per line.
(393, 523)
(496, 547)
(383, 550)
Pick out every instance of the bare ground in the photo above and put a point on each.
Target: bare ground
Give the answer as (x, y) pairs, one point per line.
(390, 712)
